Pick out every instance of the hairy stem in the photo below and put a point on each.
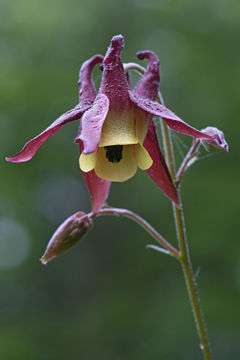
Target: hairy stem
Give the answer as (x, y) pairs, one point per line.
(185, 259)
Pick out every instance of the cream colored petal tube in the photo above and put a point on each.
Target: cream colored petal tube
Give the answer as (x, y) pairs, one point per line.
(119, 129)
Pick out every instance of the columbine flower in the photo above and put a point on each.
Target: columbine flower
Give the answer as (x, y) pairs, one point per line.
(117, 133)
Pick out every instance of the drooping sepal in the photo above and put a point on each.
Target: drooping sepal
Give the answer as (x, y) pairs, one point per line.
(159, 171)
(98, 188)
(31, 147)
(172, 120)
(87, 96)
(71, 231)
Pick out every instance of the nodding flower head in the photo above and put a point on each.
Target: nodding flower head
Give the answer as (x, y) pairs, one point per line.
(117, 134)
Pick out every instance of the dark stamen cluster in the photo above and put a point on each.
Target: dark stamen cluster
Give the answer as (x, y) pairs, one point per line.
(114, 153)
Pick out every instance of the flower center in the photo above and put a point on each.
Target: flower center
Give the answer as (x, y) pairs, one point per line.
(114, 153)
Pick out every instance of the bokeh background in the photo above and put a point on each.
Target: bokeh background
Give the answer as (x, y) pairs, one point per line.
(109, 297)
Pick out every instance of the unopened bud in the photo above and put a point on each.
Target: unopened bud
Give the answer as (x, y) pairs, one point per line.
(218, 142)
(68, 234)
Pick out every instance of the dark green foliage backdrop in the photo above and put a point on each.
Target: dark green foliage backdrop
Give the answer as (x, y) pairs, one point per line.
(109, 297)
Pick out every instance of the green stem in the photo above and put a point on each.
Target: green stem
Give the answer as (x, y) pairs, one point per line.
(191, 284)
(143, 223)
(185, 259)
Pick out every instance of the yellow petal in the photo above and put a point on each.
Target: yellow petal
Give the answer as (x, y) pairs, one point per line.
(144, 160)
(119, 129)
(121, 171)
(87, 162)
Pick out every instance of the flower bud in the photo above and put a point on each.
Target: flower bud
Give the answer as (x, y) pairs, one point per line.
(218, 142)
(67, 234)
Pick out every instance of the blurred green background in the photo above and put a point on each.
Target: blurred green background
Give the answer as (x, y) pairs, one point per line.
(109, 297)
